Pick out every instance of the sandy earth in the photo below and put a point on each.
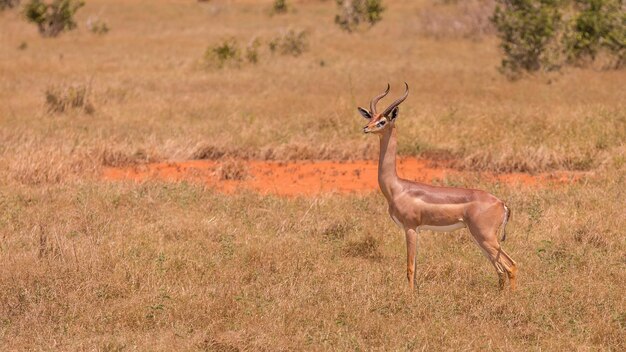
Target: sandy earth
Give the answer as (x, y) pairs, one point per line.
(308, 177)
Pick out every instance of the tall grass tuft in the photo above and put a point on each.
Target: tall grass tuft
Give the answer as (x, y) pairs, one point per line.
(61, 99)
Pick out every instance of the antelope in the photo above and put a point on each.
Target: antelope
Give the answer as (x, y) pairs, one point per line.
(415, 206)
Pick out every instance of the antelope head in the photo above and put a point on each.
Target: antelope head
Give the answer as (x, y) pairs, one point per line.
(378, 122)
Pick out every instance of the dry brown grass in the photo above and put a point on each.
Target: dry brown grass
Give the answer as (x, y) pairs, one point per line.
(232, 169)
(87, 265)
(95, 266)
(457, 19)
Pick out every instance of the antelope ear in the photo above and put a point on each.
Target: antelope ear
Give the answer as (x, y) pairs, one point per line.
(394, 113)
(365, 113)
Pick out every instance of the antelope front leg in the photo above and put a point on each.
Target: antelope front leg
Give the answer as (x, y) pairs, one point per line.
(411, 251)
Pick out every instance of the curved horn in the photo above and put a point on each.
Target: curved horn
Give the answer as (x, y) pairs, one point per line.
(397, 102)
(376, 99)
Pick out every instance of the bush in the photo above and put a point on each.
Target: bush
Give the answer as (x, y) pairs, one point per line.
(353, 13)
(8, 4)
(62, 99)
(600, 26)
(53, 18)
(279, 6)
(528, 31)
(290, 43)
(229, 53)
(223, 54)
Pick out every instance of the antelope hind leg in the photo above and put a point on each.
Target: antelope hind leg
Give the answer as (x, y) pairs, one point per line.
(501, 261)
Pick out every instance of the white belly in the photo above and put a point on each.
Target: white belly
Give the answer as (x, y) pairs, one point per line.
(447, 228)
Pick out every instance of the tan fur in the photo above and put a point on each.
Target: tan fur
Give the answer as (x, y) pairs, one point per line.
(413, 204)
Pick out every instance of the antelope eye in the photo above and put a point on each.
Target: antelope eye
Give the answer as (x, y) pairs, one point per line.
(381, 123)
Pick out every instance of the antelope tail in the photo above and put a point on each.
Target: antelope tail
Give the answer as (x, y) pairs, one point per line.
(507, 214)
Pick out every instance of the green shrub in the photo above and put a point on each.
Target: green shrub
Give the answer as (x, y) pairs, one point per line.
(279, 6)
(292, 43)
(53, 18)
(229, 52)
(8, 4)
(223, 54)
(353, 13)
(599, 26)
(528, 30)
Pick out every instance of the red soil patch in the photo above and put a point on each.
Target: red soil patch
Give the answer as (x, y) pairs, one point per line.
(307, 177)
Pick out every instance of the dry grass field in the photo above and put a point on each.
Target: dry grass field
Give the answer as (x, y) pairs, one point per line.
(90, 264)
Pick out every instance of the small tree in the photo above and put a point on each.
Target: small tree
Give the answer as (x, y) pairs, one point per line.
(52, 18)
(528, 31)
(600, 26)
(355, 12)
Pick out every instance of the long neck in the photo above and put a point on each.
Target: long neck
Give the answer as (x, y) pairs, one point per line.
(387, 175)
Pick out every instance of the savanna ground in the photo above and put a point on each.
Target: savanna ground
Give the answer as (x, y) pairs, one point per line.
(90, 264)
